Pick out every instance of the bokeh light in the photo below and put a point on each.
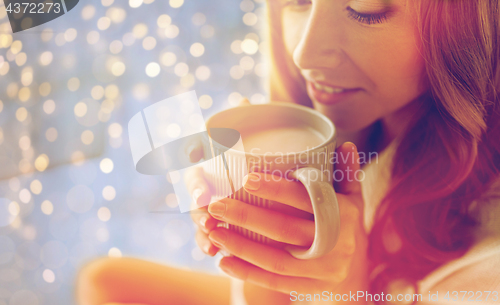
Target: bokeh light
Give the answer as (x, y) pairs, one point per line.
(114, 252)
(103, 23)
(115, 130)
(88, 12)
(135, 3)
(42, 162)
(70, 34)
(140, 30)
(36, 187)
(87, 137)
(107, 2)
(80, 109)
(49, 276)
(108, 193)
(118, 68)
(73, 84)
(97, 92)
(181, 69)
(163, 21)
(21, 114)
(171, 31)
(205, 101)
(176, 3)
(24, 196)
(202, 73)
(116, 46)
(249, 46)
(47, 207)
(49, 106)
(197, 49)
(153, 69)
(149, 43)
(46, 58)
(104, 214)
(44, 89)
(106, 165)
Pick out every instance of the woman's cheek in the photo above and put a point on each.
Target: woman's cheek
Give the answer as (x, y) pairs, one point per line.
(293, 24)
(398, 73)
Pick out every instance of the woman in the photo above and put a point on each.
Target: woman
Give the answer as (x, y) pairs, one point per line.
(416, 81)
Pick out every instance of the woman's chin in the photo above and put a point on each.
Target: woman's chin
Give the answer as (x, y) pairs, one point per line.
(349, 124)
(346, 118)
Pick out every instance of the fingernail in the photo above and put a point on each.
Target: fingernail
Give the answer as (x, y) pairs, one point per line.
(190, 149)
(203, 221)
(206, 248)
(227, 268)
(218, 238)
(251, 182)
(217, 209)
(225, 253)
(196, 195)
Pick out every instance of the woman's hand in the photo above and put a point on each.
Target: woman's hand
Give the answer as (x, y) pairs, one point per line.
(343, 269)
(200, 191)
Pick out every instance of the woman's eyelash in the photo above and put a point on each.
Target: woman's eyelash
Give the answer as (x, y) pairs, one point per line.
(360, 17)
(367, 18)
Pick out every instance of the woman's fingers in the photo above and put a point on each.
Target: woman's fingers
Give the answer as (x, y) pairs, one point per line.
(278, 188)
(245, 271)
(203, 219)
(195, 153)
(205, 244)
(266, 257)
(272, 224)
(198, 186)
(200, 191)
(194, 150)
(205, 224)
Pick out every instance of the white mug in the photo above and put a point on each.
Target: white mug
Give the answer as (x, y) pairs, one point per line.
(313, 167)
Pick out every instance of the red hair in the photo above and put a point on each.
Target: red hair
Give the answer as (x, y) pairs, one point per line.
(448, 156)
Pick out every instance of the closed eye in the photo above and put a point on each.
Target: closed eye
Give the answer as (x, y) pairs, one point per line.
(367, 18)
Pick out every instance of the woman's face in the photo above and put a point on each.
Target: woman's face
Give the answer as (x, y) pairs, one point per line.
(360, 58)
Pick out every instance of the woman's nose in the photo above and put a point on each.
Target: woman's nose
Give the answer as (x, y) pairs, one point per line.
(322, 39)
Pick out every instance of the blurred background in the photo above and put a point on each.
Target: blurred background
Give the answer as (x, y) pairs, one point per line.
(68, 188)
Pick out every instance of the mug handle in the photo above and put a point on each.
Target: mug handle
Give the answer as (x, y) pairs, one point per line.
(326, 214)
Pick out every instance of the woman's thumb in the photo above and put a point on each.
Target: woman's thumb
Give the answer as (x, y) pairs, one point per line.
(348, 171)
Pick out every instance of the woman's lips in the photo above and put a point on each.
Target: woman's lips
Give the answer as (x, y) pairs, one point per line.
(328, 95)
